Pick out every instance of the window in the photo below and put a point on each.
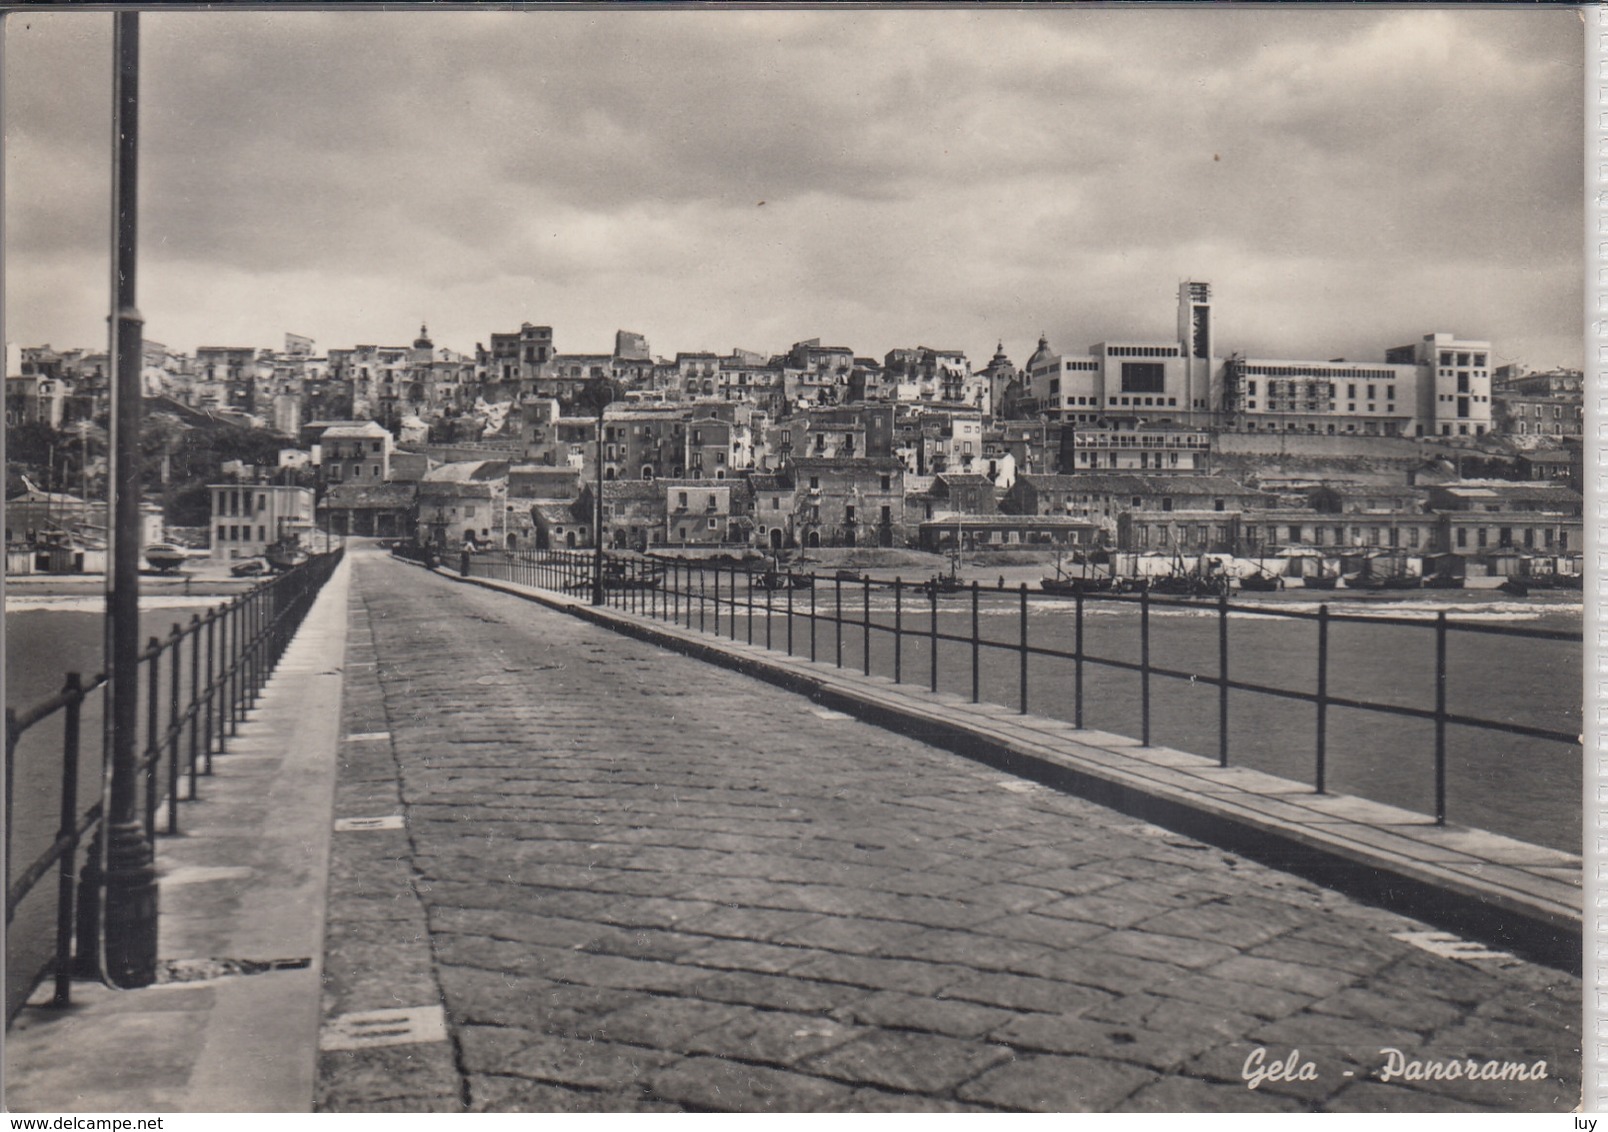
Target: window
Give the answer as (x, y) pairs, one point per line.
(711, 524)
(223, 532)
(1166, 503)
(1217, 505)
(681, 500)
(887, 483)
(1480, 537)
(262, 534)
(848, 513)
(815, 481)
(1144, 377)
(776, 503)
(469, 511)
(1462, 538)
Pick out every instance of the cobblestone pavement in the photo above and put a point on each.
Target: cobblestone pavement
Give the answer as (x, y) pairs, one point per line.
(639, 882)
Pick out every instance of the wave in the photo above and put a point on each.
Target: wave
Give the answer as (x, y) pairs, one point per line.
(96, 603)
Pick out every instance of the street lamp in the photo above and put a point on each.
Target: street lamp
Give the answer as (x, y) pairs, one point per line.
(598, 395)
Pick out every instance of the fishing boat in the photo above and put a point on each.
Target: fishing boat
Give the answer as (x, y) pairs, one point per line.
(949, 583)
(1191, 581)
(1070, 585)
(1261, 582)
(165, 556)
(1322, 581)
(621, 576)
(1395, 578)
(775, 579)
(1443, 582)
(285, 553)
(1515, 586)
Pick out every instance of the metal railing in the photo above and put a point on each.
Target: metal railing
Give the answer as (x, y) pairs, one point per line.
(199, 683)
(745, 602)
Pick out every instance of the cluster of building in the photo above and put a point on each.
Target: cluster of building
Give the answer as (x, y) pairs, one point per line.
(1133, 444)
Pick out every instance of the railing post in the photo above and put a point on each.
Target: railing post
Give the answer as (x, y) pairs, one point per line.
(253, 640)
(748, 599)
(790, 588)
(701, 598)
(866, 623)
(1323, 699)
(153, 750)
(1222, 678)
(66, 900)
(812, 617)
(717, 601)
(898, 630)
(768, 617)
(1144, 667)
(234, 654)
(837, 620)
(1077, 664)
(976, 646)
(194, 712)
(250, 686)
(1440, 718)
(1023, 647)
(932, 632)
(175, 648)
(11, 773)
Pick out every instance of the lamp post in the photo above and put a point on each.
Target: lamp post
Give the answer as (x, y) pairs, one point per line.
(129, 926)
(598, 395)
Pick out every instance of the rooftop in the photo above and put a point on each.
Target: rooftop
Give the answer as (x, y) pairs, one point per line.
(467, 471)
(369, 495)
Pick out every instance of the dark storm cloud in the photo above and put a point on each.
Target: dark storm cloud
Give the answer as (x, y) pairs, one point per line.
(942, 176)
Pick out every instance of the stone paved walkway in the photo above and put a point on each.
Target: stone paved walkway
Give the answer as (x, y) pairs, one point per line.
(638, 882)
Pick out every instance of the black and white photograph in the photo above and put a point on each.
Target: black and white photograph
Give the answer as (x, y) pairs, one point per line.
(658, 559)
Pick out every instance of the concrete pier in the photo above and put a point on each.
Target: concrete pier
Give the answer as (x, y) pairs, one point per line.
(572, 869)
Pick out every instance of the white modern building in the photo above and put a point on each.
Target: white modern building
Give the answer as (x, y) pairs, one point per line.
(248, 517)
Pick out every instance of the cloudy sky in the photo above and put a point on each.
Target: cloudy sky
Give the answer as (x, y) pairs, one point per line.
(1347, 180)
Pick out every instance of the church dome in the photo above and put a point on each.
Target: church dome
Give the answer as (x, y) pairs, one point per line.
(1042, 354)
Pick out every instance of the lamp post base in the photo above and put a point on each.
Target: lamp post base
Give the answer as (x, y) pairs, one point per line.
(131, 907)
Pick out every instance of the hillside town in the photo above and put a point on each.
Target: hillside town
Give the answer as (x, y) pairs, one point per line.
(1169, 445)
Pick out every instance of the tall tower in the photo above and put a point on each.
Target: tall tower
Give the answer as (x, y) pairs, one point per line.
(1196, 337)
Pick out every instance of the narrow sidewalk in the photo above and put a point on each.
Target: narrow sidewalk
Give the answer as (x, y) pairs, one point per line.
(241, 888)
